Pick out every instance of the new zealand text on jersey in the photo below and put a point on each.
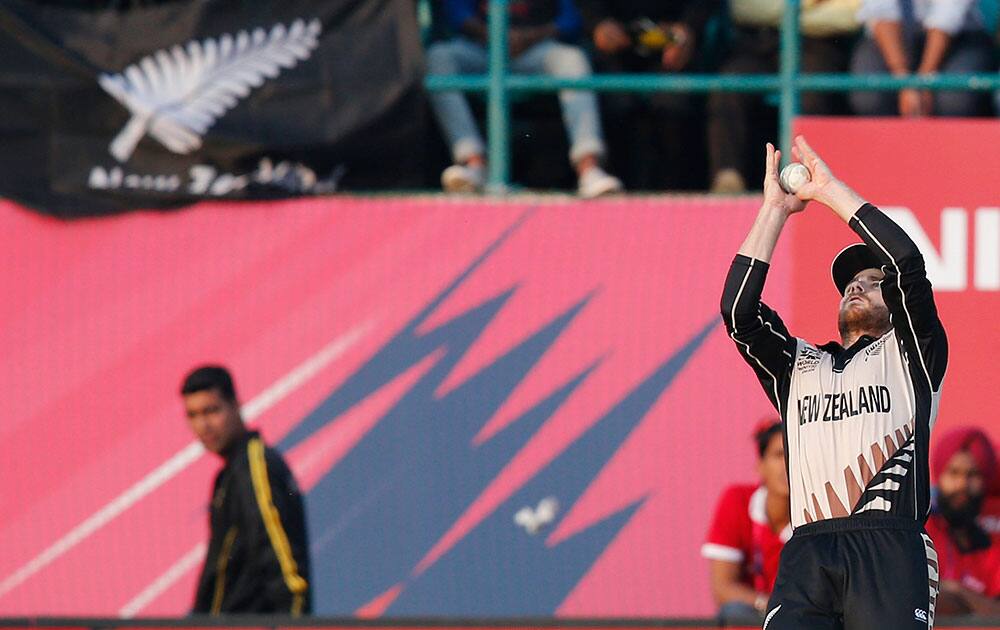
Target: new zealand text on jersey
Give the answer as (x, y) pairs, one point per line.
(834, 407)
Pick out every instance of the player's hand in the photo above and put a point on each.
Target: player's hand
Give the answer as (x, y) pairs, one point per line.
(775, 196)
(821, 178)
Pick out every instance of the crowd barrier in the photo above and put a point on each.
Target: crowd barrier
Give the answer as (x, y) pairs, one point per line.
(498, 84)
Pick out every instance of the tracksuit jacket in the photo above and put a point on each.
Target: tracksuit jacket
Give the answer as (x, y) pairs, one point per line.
(257, 559)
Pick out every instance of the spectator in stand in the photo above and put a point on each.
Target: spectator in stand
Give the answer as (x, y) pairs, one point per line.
(964, 464)
(652, 134)
(752, 523)
(538, 44)
(922, 37)
(827, 28)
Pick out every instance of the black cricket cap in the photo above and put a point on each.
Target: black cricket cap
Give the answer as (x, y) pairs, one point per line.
(850, 261)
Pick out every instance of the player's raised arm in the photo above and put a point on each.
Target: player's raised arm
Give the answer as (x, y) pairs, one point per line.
(777, 207)
(905, 288)
(823, 186)
(758, 332)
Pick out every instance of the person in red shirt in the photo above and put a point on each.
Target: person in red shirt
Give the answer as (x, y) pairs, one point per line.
(964, 465)
(750, 526)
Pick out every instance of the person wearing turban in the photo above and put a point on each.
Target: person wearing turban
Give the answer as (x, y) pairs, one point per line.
(964, 467)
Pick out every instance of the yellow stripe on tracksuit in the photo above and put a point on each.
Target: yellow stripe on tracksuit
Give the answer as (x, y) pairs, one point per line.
(221, 562)
(272, 523)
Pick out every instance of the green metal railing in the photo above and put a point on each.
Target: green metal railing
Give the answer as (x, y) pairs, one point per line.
(498, 85)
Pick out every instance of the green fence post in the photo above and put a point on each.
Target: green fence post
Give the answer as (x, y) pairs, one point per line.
(498, 99)
(790, 46)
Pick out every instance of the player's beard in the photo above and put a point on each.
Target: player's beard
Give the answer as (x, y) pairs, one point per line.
(872, 320)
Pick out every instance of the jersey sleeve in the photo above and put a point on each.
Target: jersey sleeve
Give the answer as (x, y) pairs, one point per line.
(727, 538)
(279, 532)
(758, 331)
(907, 292)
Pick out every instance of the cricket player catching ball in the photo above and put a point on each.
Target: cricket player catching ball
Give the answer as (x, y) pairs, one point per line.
(857, 415)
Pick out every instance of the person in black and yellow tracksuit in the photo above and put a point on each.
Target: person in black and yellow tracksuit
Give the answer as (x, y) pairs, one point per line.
(257, 559)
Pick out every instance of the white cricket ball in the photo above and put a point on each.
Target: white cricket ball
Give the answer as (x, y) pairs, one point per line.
(793, 177)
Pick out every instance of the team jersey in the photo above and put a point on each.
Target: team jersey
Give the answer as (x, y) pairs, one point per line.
(856, 421)
(977, 569)
(741, 534)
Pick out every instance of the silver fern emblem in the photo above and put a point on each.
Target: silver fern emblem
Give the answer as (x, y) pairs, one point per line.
(177, 95)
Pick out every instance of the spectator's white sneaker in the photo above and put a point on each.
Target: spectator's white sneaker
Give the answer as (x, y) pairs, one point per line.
(462, 178)
(594, 182)
(728, 181)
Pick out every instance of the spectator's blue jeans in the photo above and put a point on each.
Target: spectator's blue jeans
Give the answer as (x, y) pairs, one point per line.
(461, 56)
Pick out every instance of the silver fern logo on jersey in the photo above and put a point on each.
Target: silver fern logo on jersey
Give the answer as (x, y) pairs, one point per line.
(176, 95)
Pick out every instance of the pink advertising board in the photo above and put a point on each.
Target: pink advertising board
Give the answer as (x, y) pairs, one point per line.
(518, 350)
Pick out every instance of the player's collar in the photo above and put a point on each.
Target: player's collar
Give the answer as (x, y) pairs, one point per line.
(842, 356)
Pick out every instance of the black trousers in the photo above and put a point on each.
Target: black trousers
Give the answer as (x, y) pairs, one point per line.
(857, 573)
(655, 141)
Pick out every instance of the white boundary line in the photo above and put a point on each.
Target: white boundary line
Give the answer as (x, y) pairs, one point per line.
(181, 460)
(188, 561)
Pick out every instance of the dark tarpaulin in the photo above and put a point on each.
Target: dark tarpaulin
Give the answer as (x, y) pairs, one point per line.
(158, 106)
